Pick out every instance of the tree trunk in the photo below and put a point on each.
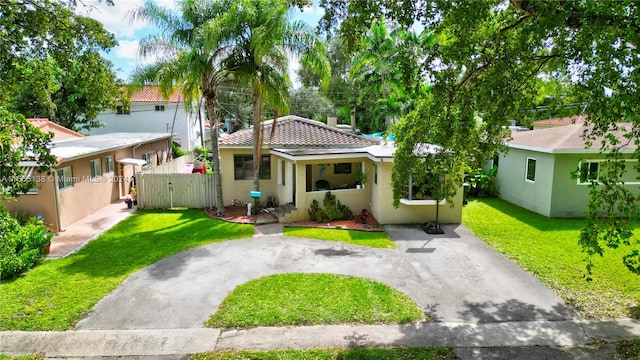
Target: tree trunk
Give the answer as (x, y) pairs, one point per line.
(257, 138)
(211, 112)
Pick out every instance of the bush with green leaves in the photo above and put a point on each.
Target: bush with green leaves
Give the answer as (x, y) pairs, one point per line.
(481, 182)
(333, 209)
(20, 245)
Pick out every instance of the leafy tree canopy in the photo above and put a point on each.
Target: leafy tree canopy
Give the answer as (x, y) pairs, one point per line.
(71, 94)
(486, 64)
(20, 141)
(38, 39)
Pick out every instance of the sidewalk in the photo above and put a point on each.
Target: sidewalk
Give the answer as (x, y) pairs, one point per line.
(78, 234)
(164, 342)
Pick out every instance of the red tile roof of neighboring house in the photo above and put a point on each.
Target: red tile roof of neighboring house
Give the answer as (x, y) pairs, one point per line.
(153, 94)
(565, 139)
(294, 131)
(45, 125)
(563, 121)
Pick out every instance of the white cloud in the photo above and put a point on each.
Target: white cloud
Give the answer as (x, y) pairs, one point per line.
(128, 49)
(313, 10)
(115, 19)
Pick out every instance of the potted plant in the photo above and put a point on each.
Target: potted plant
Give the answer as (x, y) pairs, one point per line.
(360, 178)
(134, 195)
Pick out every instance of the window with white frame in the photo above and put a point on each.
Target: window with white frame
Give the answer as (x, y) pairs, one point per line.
(159, 107)
(96, 168)
(65, 178)
(148, 157)
(109, 164)
(530, 172)
(589, 172)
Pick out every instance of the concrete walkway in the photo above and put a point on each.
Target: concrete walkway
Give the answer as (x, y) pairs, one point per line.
(78, 234)
(552, 339)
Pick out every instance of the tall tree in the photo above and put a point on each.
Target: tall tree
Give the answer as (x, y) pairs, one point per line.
(191, 60)
(341, 90)
(485, 65)
(309, 103)
(71, 93)
(259, 35)
(386, 71)
(36, 31)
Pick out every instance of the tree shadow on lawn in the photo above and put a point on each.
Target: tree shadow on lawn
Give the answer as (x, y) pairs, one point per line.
(124, 250)
(530, 218)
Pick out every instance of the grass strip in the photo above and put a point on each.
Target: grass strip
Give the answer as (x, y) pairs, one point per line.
(405, 353)
(57, 293)
(313, 299)
(548, 248)
(628, 349)
(374, 239)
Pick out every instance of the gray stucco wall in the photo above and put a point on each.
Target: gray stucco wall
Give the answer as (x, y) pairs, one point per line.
(554, 193)
(569, 199)
(512, 186)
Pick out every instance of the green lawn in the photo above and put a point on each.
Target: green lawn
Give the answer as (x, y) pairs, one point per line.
(404, 353)
(628, 349)
(375, 239)
(313, 299)
(57, 293)
(549, 249)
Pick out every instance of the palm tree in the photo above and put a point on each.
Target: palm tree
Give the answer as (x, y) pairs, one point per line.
(387, 64)
(187, 60)
(259, 36)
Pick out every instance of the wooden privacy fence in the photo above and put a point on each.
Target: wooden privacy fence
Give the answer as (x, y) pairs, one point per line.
(186, 190)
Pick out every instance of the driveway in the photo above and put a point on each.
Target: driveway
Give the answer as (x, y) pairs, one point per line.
(454, 277)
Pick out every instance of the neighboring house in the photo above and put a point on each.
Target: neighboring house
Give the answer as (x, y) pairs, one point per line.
(59, 132)
(91, 173)
(305, 158)
(149, 112)
(536, 171)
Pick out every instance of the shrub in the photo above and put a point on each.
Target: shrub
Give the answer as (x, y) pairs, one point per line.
(177, 150)
(481, 182)
(20, 246)
(333, 210)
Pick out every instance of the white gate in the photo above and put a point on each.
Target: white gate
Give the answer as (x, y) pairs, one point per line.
(163, 191)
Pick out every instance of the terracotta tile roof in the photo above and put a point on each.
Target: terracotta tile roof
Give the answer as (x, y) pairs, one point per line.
(153, 94)
(562, 139)
(297, 132)
(563, 121)
(45, 125)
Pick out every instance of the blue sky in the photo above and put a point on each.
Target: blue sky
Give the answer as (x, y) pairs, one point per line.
(117, 20)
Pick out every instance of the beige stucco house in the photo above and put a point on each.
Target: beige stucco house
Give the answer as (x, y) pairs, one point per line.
(91, 173)
(303, 159)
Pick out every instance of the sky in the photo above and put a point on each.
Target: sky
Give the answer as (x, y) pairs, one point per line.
(117, 20)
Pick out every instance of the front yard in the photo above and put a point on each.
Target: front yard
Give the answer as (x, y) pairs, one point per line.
(549, 249)
(57, 293)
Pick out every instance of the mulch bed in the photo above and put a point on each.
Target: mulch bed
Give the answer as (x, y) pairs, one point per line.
(239, 215)
(232, 214)
(371, 224)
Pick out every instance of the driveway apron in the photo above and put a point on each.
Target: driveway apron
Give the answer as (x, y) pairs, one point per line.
(454, 277)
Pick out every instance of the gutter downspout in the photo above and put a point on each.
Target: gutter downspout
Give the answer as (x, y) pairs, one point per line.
(57, 200)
